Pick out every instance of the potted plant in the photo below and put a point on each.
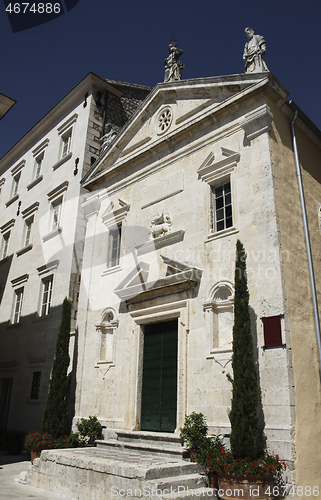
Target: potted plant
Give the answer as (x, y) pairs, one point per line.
(194, 432)
(246, 466)
(89, 430)
(35, 442)
(208, 455)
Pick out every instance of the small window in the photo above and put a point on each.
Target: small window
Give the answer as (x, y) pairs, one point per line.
(35, 388)
(15, 185)
(222, 207)
(5, 245)
(46, 296)
(37, 168)
(66, 143)
(272, 331)
(17, 305)
(27, 234)
(56, 214)
(114, 245)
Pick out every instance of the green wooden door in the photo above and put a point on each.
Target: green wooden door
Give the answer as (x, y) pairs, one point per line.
(159, 393)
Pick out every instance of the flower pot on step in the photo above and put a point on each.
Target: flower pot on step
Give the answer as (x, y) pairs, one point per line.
(247, 487)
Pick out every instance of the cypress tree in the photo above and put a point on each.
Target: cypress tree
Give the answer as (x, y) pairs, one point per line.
(54, 414)
(245, 397)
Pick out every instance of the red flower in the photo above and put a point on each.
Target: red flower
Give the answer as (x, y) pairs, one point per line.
(227, 454)
(245, 458)
(277, 457)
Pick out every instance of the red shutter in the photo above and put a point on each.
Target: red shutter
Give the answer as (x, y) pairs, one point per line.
(272, 331)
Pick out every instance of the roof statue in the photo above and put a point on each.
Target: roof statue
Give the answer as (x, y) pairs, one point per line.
(254, 51)
(173, 67)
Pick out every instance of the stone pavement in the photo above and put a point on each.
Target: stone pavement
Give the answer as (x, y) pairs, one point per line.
(10, 489)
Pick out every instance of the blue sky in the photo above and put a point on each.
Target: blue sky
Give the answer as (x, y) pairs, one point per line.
(128, 40)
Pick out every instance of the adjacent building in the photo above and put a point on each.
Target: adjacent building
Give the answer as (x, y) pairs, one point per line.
(42, 237)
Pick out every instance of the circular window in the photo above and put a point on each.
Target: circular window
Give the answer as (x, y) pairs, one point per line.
(164, 120)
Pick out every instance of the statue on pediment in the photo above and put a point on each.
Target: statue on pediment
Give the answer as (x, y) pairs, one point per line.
(173, 67)
(254, 51)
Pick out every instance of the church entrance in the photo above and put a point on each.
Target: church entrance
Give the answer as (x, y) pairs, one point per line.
(159, 392)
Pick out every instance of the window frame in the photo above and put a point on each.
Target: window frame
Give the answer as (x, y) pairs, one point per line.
(45, 305)
(15, 185)
(35, 386)
(111, 258)
(215, 209)
(27, 231)
(56, 224)
(5, 244)
(66, 143)
(38, 166)
(17, 307)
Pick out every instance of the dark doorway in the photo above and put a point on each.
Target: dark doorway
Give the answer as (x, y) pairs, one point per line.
(159, 393)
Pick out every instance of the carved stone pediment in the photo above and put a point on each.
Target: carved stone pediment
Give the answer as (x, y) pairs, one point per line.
(212, 168)
(136, 286)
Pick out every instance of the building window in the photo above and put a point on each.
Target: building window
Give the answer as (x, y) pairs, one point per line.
(27, 235)
(222, 207)
(46, 296)
(5, 245)
(15, 185)
(114, 245)
(17, 305)
(35, 388)
(66, 143)
(56, 214)
(38, 164)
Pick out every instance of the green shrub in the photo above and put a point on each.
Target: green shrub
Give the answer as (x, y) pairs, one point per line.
(194, 430)
(89, 429)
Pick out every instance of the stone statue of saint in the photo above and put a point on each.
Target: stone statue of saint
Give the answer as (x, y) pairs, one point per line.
(173, 67)
(254, 51)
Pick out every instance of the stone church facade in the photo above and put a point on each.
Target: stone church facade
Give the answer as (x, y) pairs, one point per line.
(201, 164)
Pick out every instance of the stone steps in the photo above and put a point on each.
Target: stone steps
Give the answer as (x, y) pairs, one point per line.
(122, 468)
(147, 443)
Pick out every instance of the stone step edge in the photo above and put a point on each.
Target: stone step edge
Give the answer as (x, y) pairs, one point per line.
(164, 482)
(149, 436)
(189, 494)
(180, 451)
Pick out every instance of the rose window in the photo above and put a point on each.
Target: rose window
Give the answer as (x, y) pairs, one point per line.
(164, 120)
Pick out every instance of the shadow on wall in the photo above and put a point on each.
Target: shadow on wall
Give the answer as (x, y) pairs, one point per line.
(261, 420)
(26, 357)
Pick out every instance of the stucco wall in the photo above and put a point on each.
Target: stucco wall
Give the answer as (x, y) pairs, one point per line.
(307, 438)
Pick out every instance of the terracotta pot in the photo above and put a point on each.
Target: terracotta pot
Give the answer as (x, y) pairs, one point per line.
(247, 487)
(212, 480)
(192, 454)
(36, 452)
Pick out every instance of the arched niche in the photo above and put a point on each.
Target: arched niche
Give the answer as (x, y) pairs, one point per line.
(106, 330)
(219, 315)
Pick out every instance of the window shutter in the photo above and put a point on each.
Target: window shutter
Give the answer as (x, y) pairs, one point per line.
(272, 331)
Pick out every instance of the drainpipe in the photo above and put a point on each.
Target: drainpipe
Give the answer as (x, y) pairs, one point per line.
(307, 242)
